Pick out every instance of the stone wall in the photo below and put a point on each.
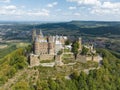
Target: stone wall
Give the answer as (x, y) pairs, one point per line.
(84, 59)
(46, 57)
(92, 58)
(81, 58)
(41, 48)
(34, 60)
(96, 59)
(58, 60)
(89, 58)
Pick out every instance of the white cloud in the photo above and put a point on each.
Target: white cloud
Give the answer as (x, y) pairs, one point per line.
(86, 2)
(107, 8)
(5, 1)
(5, 10)
(52, 4)
(72, 8)
(10, 7)
(77, 14)
(19, 11)
(99, 7)
(99, 11)
(111, 5)
(38, 13)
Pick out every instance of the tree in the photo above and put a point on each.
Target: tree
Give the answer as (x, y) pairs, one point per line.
(84, 51)
(19, 62)
(11, 72)
(52, 84)
(67, 42)
(60, 52)
(22, 85)
(75, 48)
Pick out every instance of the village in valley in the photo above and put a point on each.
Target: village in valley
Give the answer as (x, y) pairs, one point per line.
(50, 51)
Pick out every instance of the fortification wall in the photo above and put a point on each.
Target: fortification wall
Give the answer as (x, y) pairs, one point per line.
(96, 59)
(58, 60)
(89, 58)
(34, 60)
(46, 57)
(84, 59)
(92, 58)
(81, 58)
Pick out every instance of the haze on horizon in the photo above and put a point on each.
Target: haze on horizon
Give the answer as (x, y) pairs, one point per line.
(59, 10)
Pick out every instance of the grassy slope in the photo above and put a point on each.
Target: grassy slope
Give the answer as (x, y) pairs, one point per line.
(10, 64)
(7, 50)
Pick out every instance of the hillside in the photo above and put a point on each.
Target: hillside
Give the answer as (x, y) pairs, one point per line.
(16, 75)
(82, 27)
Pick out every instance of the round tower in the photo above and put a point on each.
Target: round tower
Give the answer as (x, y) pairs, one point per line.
(36, 47)
(50, 45)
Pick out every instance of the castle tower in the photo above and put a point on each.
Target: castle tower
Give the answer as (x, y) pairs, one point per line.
(50, 45)
(33, 35)
(36, 47)
(80, 43)
(40, 33)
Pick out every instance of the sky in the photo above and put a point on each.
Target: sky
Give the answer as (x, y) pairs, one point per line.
(59, 10)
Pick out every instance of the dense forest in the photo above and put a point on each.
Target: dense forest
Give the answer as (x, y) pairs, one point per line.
(105, 78)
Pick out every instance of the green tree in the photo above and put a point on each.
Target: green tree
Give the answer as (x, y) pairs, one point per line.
(22, 85)
(82, 85)
(19, 62)
(52, 84)
(60, 52)
(67, 42)
(75, 48)
(11, 72)
(84, 51)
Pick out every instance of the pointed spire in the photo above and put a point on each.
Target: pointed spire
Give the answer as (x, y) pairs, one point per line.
(33, 34)
(41, 34)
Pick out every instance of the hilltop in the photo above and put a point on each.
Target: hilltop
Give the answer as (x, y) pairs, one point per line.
(16, 75)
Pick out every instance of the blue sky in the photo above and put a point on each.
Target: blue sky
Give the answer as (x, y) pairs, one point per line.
(59, 10)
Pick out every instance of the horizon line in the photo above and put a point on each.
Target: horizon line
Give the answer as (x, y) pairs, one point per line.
(58, 21)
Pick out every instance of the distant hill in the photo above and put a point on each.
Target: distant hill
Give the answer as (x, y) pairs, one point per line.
(75, 28)
(82, 27)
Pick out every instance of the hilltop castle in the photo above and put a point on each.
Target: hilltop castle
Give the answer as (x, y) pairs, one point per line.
(47, 44)
(49, 47)
(45, 47)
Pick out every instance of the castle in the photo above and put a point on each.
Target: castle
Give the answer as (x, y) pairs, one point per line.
(48, 48)
(47, 44)
(45, 47)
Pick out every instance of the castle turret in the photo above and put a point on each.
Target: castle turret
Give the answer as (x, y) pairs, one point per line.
(80, 43)
(33, 35)
(36, 47)
(50, 45)
(40, 33)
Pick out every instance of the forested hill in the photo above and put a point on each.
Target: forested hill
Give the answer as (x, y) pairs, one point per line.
(82, 27)
(14, 75)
